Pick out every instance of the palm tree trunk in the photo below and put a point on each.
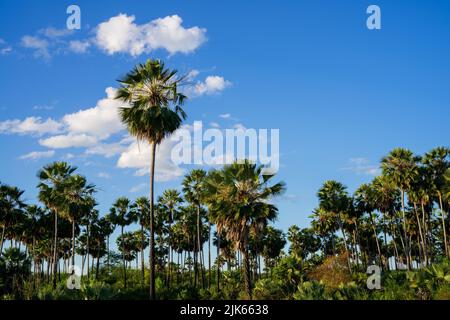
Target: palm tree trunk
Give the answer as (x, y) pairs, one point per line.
(376, 238)
(55, 251)
(209, 254)
(123, 259)
(246, 271)
(200, 248)
(447, 253)
(142, 257)
(87, 250)
(407, 250)
(422, 240)
(2, 240)
(73, 242)
(218, 262)
(345, 242)
(152, 221)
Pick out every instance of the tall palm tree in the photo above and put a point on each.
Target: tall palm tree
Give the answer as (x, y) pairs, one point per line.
(141, 209)
(171, 199)
(11, 208)
(239, 203)
(193, 189)
(53, 179)
(154, 112)
(333, 198)
(79, 196)
(437, 162)
(122, 216)
(364, 199)
(400, 166)
(387, 201)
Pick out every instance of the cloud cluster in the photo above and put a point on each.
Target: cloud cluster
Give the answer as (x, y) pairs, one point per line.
(38, 155)
(211, 85)
(362, 166)
(31, 125)
(120, 34)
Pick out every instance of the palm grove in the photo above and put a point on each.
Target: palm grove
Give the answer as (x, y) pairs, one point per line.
(397, 221)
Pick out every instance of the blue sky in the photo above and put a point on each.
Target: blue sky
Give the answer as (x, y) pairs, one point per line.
(341, 95)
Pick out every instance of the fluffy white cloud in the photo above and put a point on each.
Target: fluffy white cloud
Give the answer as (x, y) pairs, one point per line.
(78, 46)
(211, 85)
(39, 45)
(100, 121)
(4, 47)
(104, 175)
(107, 150)
(52, 32)
(31, 125)
(362, 166)
(38, 155)
(68, 141)
(138, 156)
(225, 115)
(139, 187)
(120, 34)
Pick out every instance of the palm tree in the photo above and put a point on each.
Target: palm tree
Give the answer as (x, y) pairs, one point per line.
(400, 166)
(437, 162)
(387, 201)
(155, 112)
(364, 200)
(193, 190)
(141, 209)
(239, 204)
(333, 198)
(170, 200)
(53, 179)
(79, 195)
(11, 209)
(122, 216)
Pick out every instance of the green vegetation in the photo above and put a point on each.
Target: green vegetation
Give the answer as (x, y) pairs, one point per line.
(399, 221)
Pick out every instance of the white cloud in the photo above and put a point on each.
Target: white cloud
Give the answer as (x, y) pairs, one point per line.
(211, 85)
(362, 166)
(104, 175)
(69, 141)
(4, 47)
(51, 32)
(100, 121)
(225, 116)
(39, 45)
(138, 187)
(78, 46)
(120, 34)
(38, 155)
(31, 125)
(138, 156)
(107, 149)
(214, 124)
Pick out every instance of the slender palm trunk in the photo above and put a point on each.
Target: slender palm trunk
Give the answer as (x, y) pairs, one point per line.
(209, 254)
(376, 238)
(55, 251)
(341, 226)
(246, 271)
(142, 257)
(447, 253)
(218, 261)
(152, 221)
(2, 240)
(123, 259)
(200, 249)
(407, 247)
(422, 240)
(87, 249)
(73, 242)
